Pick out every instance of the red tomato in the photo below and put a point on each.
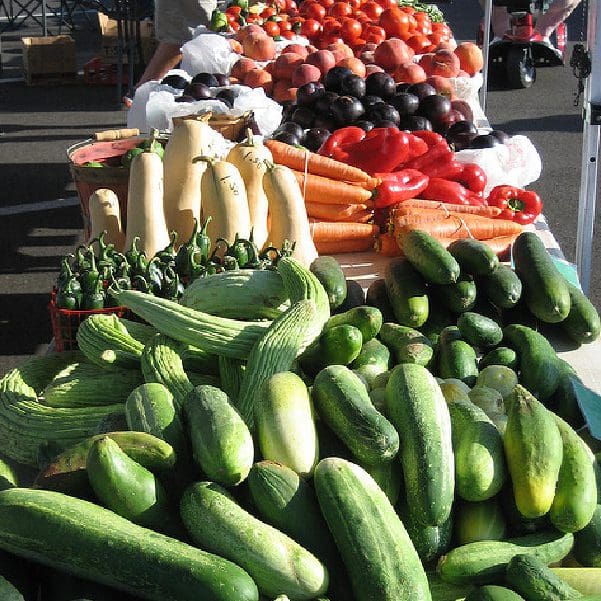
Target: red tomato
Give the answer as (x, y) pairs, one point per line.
(310, 28)
(252, 18)
(355, 4)
(408, 9)
(395, 23)
(291, 6)
(327, 3)
(285, 26)
(331, 27)
(267, 12)
(280, 5)
(271, 28)
(374, 34)
(418, 43)
(288, 35)
(387, 4)
(315, 11)
(326, 40)
(372, 9)
(340, 9)
(233, 10)
(304, 7)
(351, 29)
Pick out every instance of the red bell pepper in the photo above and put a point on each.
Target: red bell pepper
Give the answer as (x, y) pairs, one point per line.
(521, 206)
(341, 137)
(445, 190)
(446, 167)
(399, 186)
(434, 154)
(431, 138)
(473, 177)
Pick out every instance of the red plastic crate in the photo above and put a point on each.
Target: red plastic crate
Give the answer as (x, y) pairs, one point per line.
(98, 73)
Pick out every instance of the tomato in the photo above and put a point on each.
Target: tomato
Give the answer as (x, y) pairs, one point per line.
(408, 9)
(418, 43)
(375, 34)
(291, 6)
(253, 18)
(285, 26)
(304, 7)
(315, 11)
(233, 10)
(372, 9)
(340, 9)
(280, 5)
(331, 27)
(387, 4)
(267, 12)
(326, 40)
(310, 28)
(327, 3)
(271, 28)
(288, 35)
(355, 4)
(395, 23)
(351, 29)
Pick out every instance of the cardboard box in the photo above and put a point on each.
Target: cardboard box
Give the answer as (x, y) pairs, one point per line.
(110, 40)
(50, 57)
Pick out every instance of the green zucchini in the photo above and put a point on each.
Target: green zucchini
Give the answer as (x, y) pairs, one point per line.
(378, 297)
(368, 533)
(368, 320)
(430, 258)
(140, 561)
(406, 291)
(474, 257)
(417, 409)
(343, 403)
(276, 562)
(582, 323)
(285, 427)
(478, 330)
(328, 271)
(503, 287)
(482, 520)
(493, 592)
(407, 344)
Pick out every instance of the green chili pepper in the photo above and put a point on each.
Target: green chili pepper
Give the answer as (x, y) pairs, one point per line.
(253, 261)
(94, 298)
(203, 241)
(69, 295)
(167, 255)
(172, 289)
(89, 276)
(81, 262)
(185, 256)
(230, 263)
(65, 273)
(154, 276)
(239, 250)
(138, 282)
(123, 280)
(133, 253)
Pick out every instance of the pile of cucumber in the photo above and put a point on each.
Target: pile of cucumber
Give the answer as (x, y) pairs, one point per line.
(423, 442)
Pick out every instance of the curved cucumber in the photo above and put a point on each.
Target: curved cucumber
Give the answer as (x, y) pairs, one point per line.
(457, 297)
(478, 330)
(582, 323)
(478, 521)
(587, 542)
(474, 257)
(503, 287)
(368, 320)
(378, 297)
(407, 344)
(407, 293)
(436, 264)
(328, 271)
(492, 592)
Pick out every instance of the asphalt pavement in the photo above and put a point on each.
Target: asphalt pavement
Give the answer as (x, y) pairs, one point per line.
(39, 210)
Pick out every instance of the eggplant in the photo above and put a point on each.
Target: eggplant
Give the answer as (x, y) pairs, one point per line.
(365, 125)
(434, 107)
(383, 112)
(292, 128)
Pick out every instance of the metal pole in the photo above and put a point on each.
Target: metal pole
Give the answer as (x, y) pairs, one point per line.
(485, 51)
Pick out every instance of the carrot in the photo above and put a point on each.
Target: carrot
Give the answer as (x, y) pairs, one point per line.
(387, 245)
(327, 231)
(336, 247)
(436, 204)
(330, 212)
(301, 160)
(330, 191)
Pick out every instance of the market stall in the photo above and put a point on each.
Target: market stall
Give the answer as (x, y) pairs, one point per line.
(317, 344)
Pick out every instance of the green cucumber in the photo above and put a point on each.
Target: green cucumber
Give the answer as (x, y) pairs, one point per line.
(474, 257)
(355, 297)
(487, 399)
(285, 427)
(458, 297)
(407, 344)
(493, 592)
(388, 477)
(368, 320)
(530, 577)
(8, 592)
(374, 354)
(439, 317)
(545, 289)
(503, 287)
(343, 403)
(416, 407)
(587, 542)
(328, 271)
(517, 524)
(478, 330)
(378, 398)
(455, 357)
(582, 323)
(498, 377)
(140, 561)
(406, 291)
(125, 487)
(484, 562)
(276, 562)
(480, 470)
(428, 256)
(222, 445)
(378, 297)
(340, 345)
(453, 390)
(534, 451)
(478, 521)
(368, 533)
(564, 401)
(539, 369)
(8, 476)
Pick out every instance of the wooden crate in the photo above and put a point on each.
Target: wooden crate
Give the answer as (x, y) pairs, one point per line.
(49, 60)
(109, 45)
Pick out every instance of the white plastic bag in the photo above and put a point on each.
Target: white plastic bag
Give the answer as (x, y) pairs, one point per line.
(466, 89)
(514, 163)
(267, 112)
(208, 53)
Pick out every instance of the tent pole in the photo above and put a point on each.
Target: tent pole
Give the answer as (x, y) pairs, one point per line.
(485, 52)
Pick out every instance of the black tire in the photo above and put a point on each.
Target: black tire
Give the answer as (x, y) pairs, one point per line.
(521, 72)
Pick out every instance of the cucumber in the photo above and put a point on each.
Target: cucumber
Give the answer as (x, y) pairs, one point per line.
(545, 289)
(455, 357)
(373, 354)
(328, 271)
(458, 297)
(368, 533)
(418, 410)
(407, 344)
(487, 399)
(530, 577)
(125, 487)
(564, 401)
(222, 445)
(428, 256)
(278, 564)
(582, 323)
(534, 451)
(453, 390)
(479, 331)
(378, 297)
(474, 257)
(439, 317)
(587, 542)
(340, 345)
(285, 428)
(493, 592)
(478, 521)
(480, 470)
(517, 524)
(498, 377)
(378, 398)
(585, 580)
(575, 497)
(8, 592)
(355, 297)
(342, 402)
(484, 562)
(368, 320)
(140, 561)
(8, 477)
(406, 291)
(539, 370)
(329, 444)
(388, 477)
(503, 287)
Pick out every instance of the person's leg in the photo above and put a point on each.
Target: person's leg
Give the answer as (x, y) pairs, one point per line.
(166, 57)
(559, 11)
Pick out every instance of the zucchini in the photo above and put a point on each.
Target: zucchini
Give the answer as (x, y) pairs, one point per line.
(478, 330)
(406, 291)
(368, 320)
(407, 344)
(368, 533)
(418, 410)
(492, 592)
(276, 562)
(140, 561)
(343, 403)
(428, 256)
(482, 520)
(474, 257)
(484, 562)
(378, 297)
(582, 323)
(328, 271)
(503, 287)
(222, 445)
(285, 427)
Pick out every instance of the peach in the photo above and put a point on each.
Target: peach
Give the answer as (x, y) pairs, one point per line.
(470, 57)
(305, 73)
(259, 47)
(392, 53)
(259, 78)
(354, 64)
(324, 60)
(242, 66)
(409, 73)
(285, 64)
(445, 63)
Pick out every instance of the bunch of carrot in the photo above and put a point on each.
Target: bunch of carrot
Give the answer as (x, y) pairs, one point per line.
(447, 222)
(338, 199)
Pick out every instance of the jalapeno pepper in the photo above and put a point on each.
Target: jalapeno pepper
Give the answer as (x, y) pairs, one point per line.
(69, 294)
(139, 282)
(253, 253)
(398, 186)
(95, 297)
(89, 277)
(203, 241)
(81, 263)
(521, 206)
(154, 276)
(186, 252)
(167, 255)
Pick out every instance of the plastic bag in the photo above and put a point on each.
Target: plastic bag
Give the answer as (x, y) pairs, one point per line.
(466, 89)
(514, 163)
(267, 112)
(208, 53)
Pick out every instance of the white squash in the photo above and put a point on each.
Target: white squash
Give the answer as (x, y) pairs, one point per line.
(104, 210)
(181, 200)
(288, 215)
(224, 200)
(251, 158)
(145, 216)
